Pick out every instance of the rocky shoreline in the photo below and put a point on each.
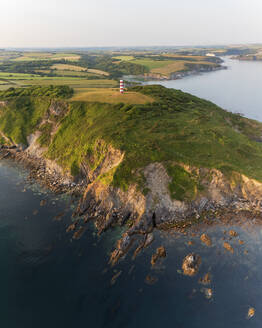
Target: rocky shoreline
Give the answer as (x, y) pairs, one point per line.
(39, 172)
(139, 232)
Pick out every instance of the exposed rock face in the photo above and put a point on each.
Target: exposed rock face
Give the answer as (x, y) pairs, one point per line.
(57, 108)
(191, 264)
(123, 245)
(113, 157)
(4, 137)
(3, 103)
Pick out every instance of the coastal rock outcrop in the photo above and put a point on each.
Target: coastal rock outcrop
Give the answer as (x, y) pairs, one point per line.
(206, 239)
(160, 252)
(228, 247)
(191, 264)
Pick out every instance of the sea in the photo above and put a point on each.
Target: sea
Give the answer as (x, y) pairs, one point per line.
(50, 280)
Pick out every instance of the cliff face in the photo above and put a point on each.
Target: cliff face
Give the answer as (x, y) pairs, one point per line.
(101, 200)
(219, 191)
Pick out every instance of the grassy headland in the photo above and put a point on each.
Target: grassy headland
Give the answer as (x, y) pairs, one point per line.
(176, 128)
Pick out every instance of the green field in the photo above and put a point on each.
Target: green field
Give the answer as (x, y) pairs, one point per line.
(31, 56)
(67, 67)
(125, 58)
(74, 82)
(151, 64)
(18, 76)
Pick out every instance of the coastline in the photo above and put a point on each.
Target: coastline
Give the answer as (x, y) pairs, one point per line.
(173, 76)
(166, 192)
(139, 233)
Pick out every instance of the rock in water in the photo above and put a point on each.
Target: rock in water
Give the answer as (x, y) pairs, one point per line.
(232, 233)
(151, 280)
(206, 279)
(228, 247)
(78, 234)
(191, 264)
(160, 252)
(113, 280)
(71, 227)
(206, 239)
(59, 216)
(43, 202)
(149, 239)
(208, 293)
(251, 312)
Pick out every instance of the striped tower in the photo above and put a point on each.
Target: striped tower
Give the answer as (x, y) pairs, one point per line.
(121, 86)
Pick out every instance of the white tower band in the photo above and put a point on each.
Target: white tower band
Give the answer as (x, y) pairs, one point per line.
(121, 86)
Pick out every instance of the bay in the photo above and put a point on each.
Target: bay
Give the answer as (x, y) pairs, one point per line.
(237, 89)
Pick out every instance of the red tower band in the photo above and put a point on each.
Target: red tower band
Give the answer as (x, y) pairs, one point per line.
(121, 86)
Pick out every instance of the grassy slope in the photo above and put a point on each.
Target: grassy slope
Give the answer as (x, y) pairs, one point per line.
(111, 96)
(176, 128)
(26, 108)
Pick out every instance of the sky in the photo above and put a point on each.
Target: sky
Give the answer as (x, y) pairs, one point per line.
(94, 23)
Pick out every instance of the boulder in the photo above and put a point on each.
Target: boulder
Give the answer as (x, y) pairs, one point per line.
(160, 252)
(228, 247)
(206, 239)
(251, 312)
(191, 264)
(206, 279)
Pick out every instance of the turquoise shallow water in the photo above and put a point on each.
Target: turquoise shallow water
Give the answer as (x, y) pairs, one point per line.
(50, 280)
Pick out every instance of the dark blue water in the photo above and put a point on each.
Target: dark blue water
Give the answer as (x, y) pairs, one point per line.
(50, 280)
(237, 89)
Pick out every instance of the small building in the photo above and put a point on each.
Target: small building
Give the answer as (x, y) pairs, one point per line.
(210, 54)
